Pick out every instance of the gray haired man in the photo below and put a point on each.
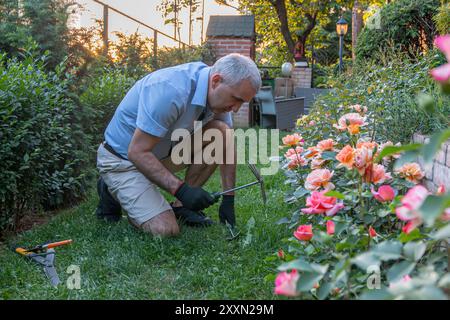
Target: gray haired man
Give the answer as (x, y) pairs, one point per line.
(135, 158)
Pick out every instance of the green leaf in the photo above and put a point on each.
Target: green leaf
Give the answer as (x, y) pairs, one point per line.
(324, 290)
(414, 250)
(307, 280)
(430, 293)
(270, 278)
(430, 149)
(298, 264)
(329, 155)
(413, 235)
(389, 150)
(442, 233)
(388, 250)
(376, 294)
(335, 194)
(426, 102)
(300, 192)
(399, 270)
(366, 260)
(407, 157)
(433, 207)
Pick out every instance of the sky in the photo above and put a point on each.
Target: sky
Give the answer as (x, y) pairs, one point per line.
(145, 11)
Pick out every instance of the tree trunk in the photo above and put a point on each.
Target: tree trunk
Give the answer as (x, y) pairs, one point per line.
(280, 7)
(357, 24)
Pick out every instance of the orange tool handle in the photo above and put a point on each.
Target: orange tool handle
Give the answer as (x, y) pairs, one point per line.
(57, 244)
(22, 251)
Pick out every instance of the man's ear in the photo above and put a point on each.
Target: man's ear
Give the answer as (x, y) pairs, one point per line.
(215, 80)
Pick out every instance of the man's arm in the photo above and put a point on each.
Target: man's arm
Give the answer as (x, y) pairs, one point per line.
(139, 153)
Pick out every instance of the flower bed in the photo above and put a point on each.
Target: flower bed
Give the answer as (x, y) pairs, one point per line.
(365, 226)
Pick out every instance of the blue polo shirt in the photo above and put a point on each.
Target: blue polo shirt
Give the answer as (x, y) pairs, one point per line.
(161, 102)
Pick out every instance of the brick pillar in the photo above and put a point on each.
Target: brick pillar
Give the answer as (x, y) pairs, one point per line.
(222, 46)
(302, 77)
(241, 119)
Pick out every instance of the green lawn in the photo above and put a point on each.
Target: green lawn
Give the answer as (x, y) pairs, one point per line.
(118, 262)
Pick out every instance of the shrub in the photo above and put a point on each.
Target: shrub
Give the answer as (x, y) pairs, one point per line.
(388, 85)
(100, 99)
(43, 150)
(407, 23)
(442, 19)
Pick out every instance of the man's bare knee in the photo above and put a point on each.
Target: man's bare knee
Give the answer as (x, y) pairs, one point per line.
(164, 225)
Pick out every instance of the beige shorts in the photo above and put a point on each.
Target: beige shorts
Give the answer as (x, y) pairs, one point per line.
(137, 195)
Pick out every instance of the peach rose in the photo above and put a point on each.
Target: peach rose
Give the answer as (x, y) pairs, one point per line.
(319, 178)
(312, 152)
(411, 172)
(346, 157)
(317, 163)
(326, 145)
(296, 161)
(359, 108)
(377, 174)
(371, 145)
(363, 159)
(291, 152)
(292, 140)
(351, 122)
(388, 144)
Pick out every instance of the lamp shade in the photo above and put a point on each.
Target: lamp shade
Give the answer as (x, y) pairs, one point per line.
(286, 69)
(341, 27)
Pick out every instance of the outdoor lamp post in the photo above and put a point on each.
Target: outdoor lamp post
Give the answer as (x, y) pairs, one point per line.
(341, 29)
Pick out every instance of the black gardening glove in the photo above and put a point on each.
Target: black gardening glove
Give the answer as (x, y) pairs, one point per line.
(226, 210)
(194, 198)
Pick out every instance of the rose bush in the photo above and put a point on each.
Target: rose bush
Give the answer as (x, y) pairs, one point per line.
(364, 222)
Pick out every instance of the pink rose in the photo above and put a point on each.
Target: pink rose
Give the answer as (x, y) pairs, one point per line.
(442, 73)
(372, 232)
(330, 227)
(286, 283)
(411, 202)
(318, 203)
(304, 232)
(384, 194)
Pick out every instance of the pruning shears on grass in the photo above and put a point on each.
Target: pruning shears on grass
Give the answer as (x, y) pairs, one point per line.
(44, 255)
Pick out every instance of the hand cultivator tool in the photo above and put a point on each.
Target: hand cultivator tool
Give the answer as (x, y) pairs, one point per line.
(234, 233)
(259, 180)
(44, 255)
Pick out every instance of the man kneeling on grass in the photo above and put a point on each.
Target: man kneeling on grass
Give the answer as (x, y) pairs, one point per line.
(135, 157)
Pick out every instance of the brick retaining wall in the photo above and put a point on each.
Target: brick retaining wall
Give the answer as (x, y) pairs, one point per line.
(438, 172)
